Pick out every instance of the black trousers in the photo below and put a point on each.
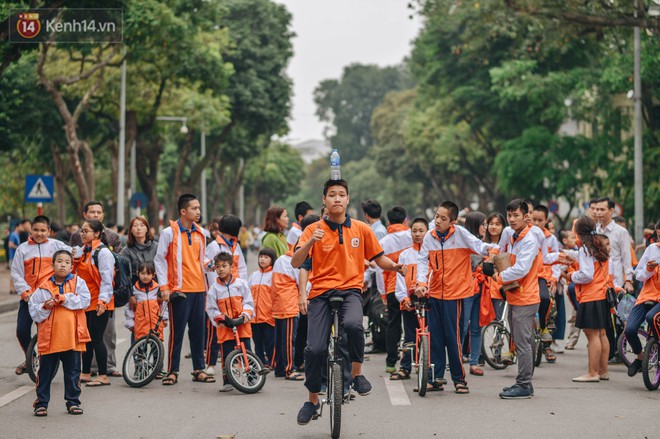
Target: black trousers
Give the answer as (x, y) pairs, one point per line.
(96, 327)
(393, 334)
(300, 342)
(71, 361)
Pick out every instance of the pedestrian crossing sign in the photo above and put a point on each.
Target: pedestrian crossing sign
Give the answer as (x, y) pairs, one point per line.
(39, 188)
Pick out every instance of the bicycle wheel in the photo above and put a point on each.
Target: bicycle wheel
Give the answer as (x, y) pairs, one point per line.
(495, 339)
(143, 361)
(246, 378)
(336, 395)
(537, 345)
(624, 351)
(650, 369)
(32, 360)
(424, 364)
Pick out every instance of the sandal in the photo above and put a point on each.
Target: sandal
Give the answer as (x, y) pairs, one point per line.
(97, 383)
(401, 374)
(201, 377)
(433, 386)
(116, 374)
(21, 369)
(41, 412)
(74, 410)
(171, 379)
(295, 376)
(461, 388)
(550, 356)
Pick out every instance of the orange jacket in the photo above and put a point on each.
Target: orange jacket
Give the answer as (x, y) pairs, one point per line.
(64, 327)
(651, 289)
(397, 240)
(147, 310)
(169, 259)
(261, 286)
(285, 288)
(33, 263)
(592, 278)
(232, 299)
(526, 260)
(99, 279)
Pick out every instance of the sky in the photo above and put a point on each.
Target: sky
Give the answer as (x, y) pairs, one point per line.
(331, 34)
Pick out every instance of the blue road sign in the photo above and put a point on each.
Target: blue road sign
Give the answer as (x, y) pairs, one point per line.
(139, 197)
(39, 188)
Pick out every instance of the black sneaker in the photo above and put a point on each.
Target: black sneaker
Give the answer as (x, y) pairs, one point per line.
(529, 386)
(517, 391)
(361, 385)
(634, 367)
(308, 412)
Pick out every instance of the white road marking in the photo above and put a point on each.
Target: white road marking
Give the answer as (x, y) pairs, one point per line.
(15, 394)
(397, 392)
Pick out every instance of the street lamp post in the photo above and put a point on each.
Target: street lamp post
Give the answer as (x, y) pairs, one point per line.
(121, 178)
(637, 127)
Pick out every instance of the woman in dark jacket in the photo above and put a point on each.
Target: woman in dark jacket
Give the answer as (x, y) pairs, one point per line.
(141, 245)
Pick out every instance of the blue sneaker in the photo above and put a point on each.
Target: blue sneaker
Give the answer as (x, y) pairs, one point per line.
(361, 385)
(531, 387)
(517, 391)
(308, 412)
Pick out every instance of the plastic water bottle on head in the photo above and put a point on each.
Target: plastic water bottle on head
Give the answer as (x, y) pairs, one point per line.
(335, 164)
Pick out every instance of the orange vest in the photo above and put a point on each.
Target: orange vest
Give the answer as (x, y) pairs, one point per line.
(85, 268)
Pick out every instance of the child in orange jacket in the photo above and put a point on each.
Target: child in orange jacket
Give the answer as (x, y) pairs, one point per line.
(58, 307)
(147, 309)
(263, 325)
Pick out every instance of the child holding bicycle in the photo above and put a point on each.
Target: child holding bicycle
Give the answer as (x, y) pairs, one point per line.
(648, 301)
(229, 297)
(147, 309)
(591, 283)
(404, 286)
(58, 308)
(263, 324)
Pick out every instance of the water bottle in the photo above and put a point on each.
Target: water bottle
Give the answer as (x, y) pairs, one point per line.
(335, 162)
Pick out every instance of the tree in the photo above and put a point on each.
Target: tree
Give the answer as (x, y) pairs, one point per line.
(346, 105)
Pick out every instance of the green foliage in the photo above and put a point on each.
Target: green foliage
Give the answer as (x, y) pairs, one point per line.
(274, 174)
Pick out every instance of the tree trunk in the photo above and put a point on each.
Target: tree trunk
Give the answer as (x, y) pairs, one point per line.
(61, 174)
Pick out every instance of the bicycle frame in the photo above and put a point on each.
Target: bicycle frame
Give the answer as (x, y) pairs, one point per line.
(240, 345)
(422, 330)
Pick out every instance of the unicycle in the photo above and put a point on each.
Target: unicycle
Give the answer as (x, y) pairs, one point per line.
(335, 396)
(651, 362)
(243, 368)
(32, 360)
(144, 359)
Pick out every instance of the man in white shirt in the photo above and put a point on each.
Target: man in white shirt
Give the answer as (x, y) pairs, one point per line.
(620, 256)
(372, 212)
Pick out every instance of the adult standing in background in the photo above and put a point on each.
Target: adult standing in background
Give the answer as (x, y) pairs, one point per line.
(93, 210)
(140, 245)
(277, 220)
(372, 211)
(301, 210)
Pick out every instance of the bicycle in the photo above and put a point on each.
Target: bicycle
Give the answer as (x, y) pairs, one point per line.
(243, 368)
(335, 393)
(32, 360)
(651, 362)
(421, 347)
(144, 359)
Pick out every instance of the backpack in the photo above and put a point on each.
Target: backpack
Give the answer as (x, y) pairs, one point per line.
(121, 284)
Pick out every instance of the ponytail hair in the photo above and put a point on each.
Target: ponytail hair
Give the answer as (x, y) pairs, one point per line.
(595, 243)
(97, 226)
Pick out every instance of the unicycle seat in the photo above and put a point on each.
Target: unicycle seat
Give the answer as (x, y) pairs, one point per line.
(335, 302)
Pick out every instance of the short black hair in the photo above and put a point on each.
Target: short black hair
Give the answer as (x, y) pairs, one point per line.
(55, 227)
(267, 251)
(328, 184)
(452, 208)
(62, 252)
(563, 234)
(309, 220)
(24, 220)
(619, 219)
(372, 208)
(224, 257)
(516, 204)
(92, 203)
(610, 203)
(184, 201)
(542, 208)
(396, 215)
(230, 224)
(301, 209)
(147, 266)
(43, 219)
(420, 220)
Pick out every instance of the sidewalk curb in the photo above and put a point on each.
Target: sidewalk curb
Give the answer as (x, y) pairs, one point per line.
(8, 306)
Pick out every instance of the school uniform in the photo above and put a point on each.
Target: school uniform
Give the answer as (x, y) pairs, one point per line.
(230, 299)
(338, 271)
(294, 233)
(263, 324)
(591, 282)
(32, 265)
(398, 239)
(238, 270)
(650, 293)
(179, 265)
(61, 335)
(147, 310)
(523, 301)
(404, 285)
(99, 280)
(445, 259)
(285, 312)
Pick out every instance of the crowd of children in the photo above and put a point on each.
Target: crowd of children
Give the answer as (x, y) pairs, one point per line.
(197, 280)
